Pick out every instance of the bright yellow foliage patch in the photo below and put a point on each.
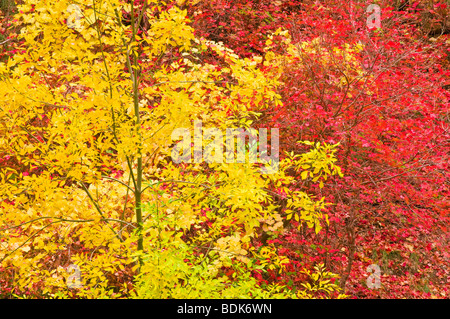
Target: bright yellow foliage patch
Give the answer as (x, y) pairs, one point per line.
(74, 112)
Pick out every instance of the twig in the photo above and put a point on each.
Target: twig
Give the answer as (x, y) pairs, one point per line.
(5, 41)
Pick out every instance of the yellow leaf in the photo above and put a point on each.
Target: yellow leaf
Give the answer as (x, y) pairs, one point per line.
(304, 174)
(25, 249)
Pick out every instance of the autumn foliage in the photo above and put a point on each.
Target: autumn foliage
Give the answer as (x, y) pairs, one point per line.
(92, 204)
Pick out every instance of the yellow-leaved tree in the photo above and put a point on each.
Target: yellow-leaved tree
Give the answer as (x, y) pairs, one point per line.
(93, 204)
